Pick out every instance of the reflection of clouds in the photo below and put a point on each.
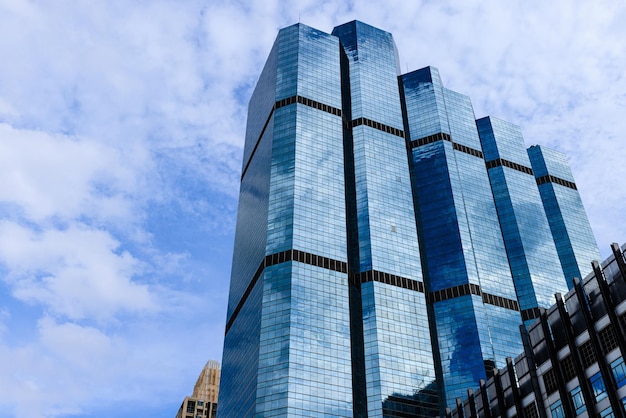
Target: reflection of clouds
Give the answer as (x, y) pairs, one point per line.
(544, 268)
(462, 348)
(397, 341)
(534, 260)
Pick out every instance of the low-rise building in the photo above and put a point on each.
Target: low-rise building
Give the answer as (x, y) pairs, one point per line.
(573, 361)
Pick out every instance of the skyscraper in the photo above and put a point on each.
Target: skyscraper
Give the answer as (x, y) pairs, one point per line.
(384, 253)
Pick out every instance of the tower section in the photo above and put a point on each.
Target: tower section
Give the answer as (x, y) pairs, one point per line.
(392, 350)
(568, 221)
(532, 254)
(472, 303)
(287, 345)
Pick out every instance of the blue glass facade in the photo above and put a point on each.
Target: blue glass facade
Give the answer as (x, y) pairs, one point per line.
(570, 227)
(397, 355)
(372, 275)
(462, 247)
(296, 358)
(533, 258)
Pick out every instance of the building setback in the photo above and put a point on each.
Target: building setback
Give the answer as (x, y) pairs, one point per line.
(377, 232)
(573, 359)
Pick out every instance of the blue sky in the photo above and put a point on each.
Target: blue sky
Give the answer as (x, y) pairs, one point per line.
(121, 134)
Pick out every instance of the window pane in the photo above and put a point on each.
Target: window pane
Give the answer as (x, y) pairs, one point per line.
(619, 372)
(607, 413)
(578, 400)
(557, 410)
(597, 384)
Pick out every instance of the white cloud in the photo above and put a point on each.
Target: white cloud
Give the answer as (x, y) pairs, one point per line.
(79, 347)
(52, 175)
(56, 371)
(77, 272)
(72, 369)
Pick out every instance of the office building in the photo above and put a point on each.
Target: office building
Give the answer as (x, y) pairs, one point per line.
(573, 359)
(377, 232)
(203, 401)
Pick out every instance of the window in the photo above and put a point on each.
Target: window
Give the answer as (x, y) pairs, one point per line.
(549, 380)
(557, 410)
(597, 384)
(191, 406)
(531, 411)
(200, 403)
(619, 372)
(588, 355)
(608, 339)
(567, 365)
(607, 413)
(578, 400)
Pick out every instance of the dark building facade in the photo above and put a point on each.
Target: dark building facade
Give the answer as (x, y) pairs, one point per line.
(573, 359)
(388, 244)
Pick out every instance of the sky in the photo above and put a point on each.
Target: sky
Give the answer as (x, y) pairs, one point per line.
(121, 137)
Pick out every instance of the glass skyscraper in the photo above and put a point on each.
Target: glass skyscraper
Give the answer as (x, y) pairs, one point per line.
(388, 245)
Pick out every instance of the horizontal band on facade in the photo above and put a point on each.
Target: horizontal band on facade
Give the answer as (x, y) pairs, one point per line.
(454, 292)
(285, 102)
(531, 313)
(306, 258)
(308, 102)
(337, 112)
(325, 108)
(377, 125)
(501, 302)
(472, 289)
(387, 278)
(552, 179)
(371, 276)
(283, 257)
(442, 136)
(510, 164)
(467, 150)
